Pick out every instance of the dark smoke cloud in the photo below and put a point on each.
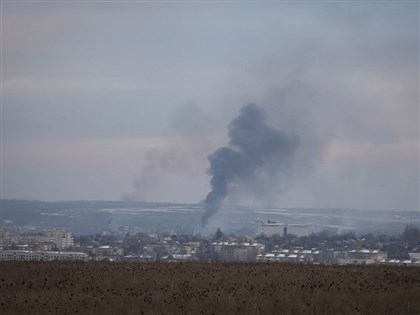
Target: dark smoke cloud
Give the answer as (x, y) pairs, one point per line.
(254, 146)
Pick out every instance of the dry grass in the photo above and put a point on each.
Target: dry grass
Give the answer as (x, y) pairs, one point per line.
(194, 288)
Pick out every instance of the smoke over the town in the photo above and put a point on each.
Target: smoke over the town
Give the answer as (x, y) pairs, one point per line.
(254, 147)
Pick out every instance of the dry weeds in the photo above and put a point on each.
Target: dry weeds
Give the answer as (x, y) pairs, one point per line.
(195, 288)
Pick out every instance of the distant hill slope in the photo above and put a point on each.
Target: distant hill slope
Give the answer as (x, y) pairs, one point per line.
(90, 217)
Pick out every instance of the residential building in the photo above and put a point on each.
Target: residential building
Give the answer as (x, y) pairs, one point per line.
(291, 255)
(362, 257)
(62, 239)
(234, 252)
(41, 255)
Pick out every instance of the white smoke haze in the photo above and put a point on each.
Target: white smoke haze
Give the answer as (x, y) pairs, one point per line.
(179, 160)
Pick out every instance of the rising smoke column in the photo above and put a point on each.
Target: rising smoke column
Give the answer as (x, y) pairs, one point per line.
(253, 145)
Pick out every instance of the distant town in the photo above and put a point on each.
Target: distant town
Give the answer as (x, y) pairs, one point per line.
(272, 242)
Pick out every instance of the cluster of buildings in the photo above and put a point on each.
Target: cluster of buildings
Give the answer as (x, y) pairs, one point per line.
(44, 241)
(60, 245)
(236, 252)
(294, 256)
(328, 256)
(104, 252)
(164, 249)
(357, 257)
(413, 261)
(168, 246)
(21, 255)
(46, 245)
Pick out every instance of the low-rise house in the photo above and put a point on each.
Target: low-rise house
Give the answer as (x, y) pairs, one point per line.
(292, 255)
(362, 257)
(138, 258)
(415, 256)
(178, 258)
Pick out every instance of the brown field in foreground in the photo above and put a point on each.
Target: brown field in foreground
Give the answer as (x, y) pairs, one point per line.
(195, 288)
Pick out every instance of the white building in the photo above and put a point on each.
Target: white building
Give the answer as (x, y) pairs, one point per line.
(292, 255)
(362, 257)
(61, 239)
(4, 238)
(270, 228)
(232, 252)
(41, 255)
(414, 256)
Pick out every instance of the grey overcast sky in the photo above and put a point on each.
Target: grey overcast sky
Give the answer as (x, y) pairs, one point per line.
(111, 100)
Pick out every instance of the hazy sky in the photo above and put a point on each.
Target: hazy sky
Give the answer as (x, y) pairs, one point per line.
(115, 100)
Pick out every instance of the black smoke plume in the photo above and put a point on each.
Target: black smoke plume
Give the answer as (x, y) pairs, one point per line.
(253, 145)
